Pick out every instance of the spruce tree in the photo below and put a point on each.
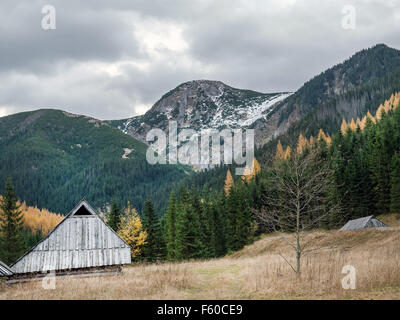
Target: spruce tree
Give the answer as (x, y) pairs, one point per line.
(200, 209)
(395, 184)
(188, 229)
(11, 242)
(211, 243)
(154, 247)
(114, 217)
(220, 225)
(242, 231)
(231, 216)
(384, 149)
(170, 227)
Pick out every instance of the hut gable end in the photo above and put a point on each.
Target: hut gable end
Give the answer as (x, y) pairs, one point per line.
(363, 223)
(81, 240)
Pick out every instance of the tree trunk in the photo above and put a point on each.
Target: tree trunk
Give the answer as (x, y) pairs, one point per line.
(298, 249)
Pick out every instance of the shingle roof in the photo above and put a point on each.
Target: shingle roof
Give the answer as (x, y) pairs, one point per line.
(363, 223)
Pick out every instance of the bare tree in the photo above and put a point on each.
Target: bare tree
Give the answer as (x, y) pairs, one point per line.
(299, 200)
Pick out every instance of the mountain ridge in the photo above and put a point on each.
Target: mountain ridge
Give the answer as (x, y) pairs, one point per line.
(202, 104)
(362, 69)
(55, 158)
(52, 156)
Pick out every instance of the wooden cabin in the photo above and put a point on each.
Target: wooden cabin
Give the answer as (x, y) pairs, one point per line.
(82, 242)
(363, 223)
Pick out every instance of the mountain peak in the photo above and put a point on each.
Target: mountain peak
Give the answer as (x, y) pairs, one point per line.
(203, 104)
(201, 82)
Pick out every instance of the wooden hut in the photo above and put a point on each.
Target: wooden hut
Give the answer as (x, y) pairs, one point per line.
(363, 223)
(81, 243)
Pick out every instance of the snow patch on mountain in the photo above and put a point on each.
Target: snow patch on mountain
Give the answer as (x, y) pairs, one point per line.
(246, 114)
(202, 105)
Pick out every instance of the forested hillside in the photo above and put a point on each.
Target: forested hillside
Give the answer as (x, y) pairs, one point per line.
(346, 90)
(55, 158)
(361, 177)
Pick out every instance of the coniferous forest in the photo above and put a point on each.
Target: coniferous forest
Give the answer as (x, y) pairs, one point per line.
(362, 175)
(363, 178)
(200, 150)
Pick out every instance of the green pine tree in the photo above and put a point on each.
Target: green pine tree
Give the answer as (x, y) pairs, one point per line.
(170, 227)
(188, 229)
(395, 184)
(154, 247)
(243, 231)
(382, 154)
(207, 230)
(220, 225)
(11, 243)
(114, 217)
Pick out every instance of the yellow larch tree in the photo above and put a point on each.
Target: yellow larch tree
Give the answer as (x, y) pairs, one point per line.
(279, 151)
(363, 123)
(312, 141)
(324, 137)
(131, 230)
(246, 174)
(353, 125)
(343, 127)
(256, 166)
(229, 183)
(321, 135)
(396, 101)
(369, 115)
(392, 97)
(39, 220)
(387, 106)
(288, 153)
(250, 173)
(328, 140)
(378, 115)
(302, 143)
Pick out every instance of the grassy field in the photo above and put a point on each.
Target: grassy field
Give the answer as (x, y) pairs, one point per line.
(256, 272)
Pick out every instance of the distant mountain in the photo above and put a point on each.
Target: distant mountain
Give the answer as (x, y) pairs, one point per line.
(55, 158)
(203, 104)
(346, 90)
(327, 98)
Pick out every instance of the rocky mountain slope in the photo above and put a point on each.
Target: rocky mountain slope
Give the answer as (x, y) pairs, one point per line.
(200, 105)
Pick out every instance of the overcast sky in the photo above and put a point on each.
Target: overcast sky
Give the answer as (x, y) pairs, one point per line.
(114, 59)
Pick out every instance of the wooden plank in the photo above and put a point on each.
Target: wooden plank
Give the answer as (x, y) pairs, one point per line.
(79, 242)
(89, 272)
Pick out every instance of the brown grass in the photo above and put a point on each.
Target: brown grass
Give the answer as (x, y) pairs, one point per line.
(256, 272)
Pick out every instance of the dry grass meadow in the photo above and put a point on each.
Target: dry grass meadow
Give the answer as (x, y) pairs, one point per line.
(256, 272)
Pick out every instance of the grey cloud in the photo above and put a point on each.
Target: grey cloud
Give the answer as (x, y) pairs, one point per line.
(81, 35)
(260, 45)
